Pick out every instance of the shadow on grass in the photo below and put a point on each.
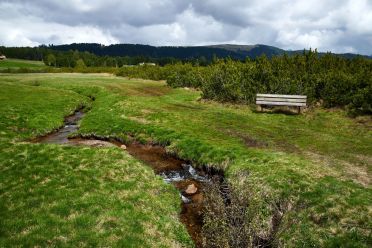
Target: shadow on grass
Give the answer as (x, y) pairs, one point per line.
(277, 110)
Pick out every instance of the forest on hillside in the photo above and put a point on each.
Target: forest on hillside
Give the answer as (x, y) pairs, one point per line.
(117, 55)
(71, 57)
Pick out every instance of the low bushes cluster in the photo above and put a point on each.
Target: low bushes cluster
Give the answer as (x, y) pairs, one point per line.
(327, 79)
(146, 72)
(333, 81)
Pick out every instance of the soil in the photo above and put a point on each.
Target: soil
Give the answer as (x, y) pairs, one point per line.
(155, 156)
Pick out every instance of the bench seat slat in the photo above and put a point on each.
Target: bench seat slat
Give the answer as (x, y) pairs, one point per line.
(280, 99)
(281, 103)
(281, 96)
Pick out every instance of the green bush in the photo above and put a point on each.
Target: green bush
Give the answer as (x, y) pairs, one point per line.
(146, 72)
(184, 75)
(337, 89)
(361, 100)
(335, 81)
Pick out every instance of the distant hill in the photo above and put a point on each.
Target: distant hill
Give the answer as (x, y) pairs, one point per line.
(183, 52)
(179, 52)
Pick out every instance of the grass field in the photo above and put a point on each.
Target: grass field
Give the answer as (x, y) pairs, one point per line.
(73, 196)
(20, 63)
(316, 165)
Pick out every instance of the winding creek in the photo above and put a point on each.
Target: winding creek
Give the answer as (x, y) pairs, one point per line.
(188, 180)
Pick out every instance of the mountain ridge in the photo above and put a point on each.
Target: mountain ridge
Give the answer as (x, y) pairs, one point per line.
(186, 52)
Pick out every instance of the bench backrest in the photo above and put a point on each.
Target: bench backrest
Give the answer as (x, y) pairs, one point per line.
(281, 100)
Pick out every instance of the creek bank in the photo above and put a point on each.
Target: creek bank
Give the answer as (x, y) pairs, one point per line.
(190, 181)
(177, 172)
(61, 134)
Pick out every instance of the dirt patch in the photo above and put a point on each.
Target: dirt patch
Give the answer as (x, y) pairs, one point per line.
(138, 90)
(358, 173)
(93, 143)
(153, 91)
(155, 156)
(138, 119)
(184, 106)
(365, 121)
(248, 140)
(286, 110)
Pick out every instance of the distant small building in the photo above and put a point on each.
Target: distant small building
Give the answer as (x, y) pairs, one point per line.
(143, 63)
(2, 57)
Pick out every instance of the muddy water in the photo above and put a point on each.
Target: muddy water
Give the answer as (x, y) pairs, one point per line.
(181, 174)
(178, 172)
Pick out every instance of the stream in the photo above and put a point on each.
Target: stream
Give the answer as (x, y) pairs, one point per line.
(188, 180)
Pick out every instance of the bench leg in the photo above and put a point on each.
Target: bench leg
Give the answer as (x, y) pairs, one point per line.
(299, 110)
(260, 108)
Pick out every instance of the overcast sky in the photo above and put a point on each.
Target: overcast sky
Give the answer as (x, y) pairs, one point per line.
(329, 25)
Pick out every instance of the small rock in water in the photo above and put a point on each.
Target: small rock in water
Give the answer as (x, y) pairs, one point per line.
(124, 147)
(191, 189)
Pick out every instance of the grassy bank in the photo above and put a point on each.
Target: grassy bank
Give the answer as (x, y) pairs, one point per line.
(314, 167)
(74, 196)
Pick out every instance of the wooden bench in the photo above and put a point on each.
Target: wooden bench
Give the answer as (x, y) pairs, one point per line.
(281, 100)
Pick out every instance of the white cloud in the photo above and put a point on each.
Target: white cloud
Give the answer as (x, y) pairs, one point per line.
(30, 32)
(22, 29)
(329, 25)
(188, 28)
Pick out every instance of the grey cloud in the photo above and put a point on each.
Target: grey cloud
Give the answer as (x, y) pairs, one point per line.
(335, 25)
(105, 13)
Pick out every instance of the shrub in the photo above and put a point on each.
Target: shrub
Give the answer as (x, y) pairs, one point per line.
(184, 75)
(336, 81)
(236, 216)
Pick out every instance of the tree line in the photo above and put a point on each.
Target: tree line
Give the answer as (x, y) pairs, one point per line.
(73, 58)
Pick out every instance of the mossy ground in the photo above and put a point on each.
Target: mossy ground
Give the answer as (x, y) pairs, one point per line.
(317, 164)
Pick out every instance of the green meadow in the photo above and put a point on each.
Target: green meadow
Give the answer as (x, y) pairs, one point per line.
(20, 63)
(315, 167)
